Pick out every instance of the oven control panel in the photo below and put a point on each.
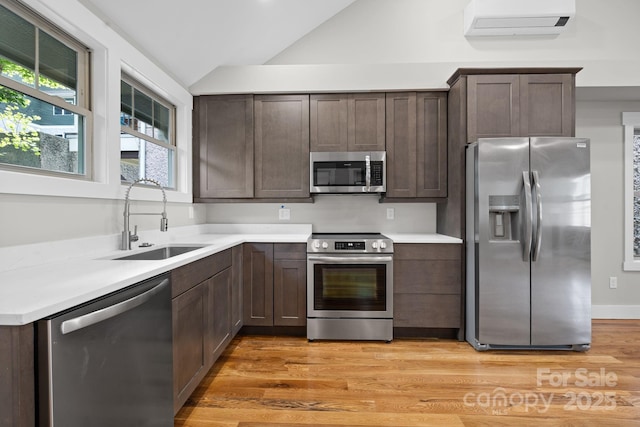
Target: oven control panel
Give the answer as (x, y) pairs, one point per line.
(349, 246)
(344, 243)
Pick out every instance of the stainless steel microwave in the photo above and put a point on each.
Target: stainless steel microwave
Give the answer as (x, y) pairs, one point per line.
(348, 172)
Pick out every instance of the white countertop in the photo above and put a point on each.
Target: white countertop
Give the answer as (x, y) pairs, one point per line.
(52, 282)
(422, 238)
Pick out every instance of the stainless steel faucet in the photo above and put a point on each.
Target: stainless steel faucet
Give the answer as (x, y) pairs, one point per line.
(127, 237)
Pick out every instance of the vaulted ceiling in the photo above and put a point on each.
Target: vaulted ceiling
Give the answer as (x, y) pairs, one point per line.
(190, 38)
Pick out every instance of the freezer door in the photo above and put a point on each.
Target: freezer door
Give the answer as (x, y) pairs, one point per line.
(561, 256)
(503, 268)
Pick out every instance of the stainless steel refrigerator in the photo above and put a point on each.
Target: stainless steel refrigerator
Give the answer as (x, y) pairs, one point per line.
(528, 243)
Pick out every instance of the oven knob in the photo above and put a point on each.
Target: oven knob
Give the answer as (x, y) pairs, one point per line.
(316, 244)
(325, 245)
(383, 245)
(374, 245)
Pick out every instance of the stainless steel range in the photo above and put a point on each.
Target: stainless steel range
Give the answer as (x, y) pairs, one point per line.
(349, 286)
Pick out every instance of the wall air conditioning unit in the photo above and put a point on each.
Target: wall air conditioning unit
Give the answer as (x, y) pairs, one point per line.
(517, 17)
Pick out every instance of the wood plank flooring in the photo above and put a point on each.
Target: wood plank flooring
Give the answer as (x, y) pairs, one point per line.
(289, 382)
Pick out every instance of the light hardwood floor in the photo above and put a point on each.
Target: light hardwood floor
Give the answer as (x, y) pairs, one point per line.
(285, 381)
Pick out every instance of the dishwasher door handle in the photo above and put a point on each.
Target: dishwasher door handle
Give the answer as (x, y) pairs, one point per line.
(97, 316)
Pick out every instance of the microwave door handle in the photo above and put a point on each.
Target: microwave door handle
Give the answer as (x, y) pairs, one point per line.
(367, 173)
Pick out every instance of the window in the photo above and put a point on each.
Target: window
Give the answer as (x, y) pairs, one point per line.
(147, 141)
(631, 123)
(43, 95)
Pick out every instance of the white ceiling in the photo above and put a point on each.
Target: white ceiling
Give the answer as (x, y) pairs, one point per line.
(190, 38)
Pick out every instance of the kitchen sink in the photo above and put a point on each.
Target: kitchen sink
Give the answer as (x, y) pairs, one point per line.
(161, 253)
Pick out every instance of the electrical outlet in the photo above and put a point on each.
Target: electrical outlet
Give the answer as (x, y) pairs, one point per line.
(613, 282)
(391, 213)
(284, 214)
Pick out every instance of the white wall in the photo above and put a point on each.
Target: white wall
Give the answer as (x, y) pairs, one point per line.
(26, 219)
(405, 44)
(601, 121)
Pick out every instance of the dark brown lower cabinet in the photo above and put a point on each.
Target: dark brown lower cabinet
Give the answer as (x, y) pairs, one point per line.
(190, 318)
(201, 305)
(274, 282)
(290, 284)
(17, 379)
(427, 286)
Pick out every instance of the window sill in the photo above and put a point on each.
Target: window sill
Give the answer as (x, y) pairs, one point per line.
(19, 183)
(631, 265)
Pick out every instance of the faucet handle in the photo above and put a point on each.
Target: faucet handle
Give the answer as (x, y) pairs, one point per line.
(134, 236)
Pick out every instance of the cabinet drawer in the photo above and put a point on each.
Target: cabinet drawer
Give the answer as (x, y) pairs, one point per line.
(426, 277)
(290, 251)
(426, 311)
(185, 277)
(427, 251)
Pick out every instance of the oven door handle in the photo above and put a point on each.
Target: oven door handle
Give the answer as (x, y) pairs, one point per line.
(345, 259)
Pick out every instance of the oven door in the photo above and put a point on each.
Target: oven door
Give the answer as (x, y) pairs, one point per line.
(350, 286)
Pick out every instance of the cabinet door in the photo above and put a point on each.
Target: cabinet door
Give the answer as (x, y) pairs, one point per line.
(282, 146)
(290, 284)
(366, 122)
(328, 122)
(223, 153)
(431, 145)
(219, 313)
(493, 106)
(547, 105)
(190, 355)
(401, 144)
(236, 289)
(257, 298)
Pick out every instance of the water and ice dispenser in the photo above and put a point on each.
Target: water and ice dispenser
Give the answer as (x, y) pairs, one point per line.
(503, 217)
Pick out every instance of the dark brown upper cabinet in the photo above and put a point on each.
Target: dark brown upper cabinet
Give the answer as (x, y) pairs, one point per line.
(510, 105)
(328, 122)
(547, 105)
(281, 136)
(416, 135)
(347, 122)
(223, 147)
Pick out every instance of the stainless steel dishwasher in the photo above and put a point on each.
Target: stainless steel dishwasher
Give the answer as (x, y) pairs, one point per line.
(109, 362)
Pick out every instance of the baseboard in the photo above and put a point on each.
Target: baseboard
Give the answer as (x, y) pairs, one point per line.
(615, 311)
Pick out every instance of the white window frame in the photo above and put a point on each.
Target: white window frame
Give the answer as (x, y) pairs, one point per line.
(172, 144)
(82, 97)
(111, 55)
(631, 122)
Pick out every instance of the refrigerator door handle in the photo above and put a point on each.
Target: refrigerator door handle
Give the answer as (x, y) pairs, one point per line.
(538, 242)
(528, 217)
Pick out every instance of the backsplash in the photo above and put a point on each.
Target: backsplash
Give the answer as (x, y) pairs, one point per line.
(333, 213)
